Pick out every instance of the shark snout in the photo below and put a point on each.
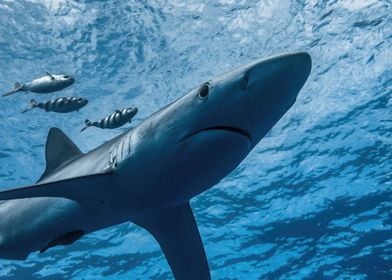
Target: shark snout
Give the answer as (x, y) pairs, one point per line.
(276, 82)
(291, 70)
(270, 88)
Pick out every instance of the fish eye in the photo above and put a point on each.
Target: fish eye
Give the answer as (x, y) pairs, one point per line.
(204, 91)
(66, 77)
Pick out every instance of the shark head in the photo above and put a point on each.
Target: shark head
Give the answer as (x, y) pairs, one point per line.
(247, 101)
(210, 130)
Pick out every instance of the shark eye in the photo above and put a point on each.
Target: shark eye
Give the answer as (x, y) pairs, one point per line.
(66, 77)
(204, 90)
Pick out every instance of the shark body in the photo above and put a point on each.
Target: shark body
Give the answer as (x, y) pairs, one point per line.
(148, 174)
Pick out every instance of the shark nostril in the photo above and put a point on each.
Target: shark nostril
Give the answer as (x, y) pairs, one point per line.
(244, 82)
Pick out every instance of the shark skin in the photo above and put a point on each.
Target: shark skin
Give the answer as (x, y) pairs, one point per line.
(148, 174)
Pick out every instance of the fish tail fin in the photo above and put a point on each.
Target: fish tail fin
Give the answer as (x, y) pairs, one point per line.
(88, 123)
(17, 87)
(33, 104)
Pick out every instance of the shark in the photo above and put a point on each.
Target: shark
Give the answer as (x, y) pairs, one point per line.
(148, 174)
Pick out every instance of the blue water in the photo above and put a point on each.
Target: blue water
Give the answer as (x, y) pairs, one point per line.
(312, 201)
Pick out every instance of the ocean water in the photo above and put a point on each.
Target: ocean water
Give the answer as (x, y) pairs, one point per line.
(313, 200)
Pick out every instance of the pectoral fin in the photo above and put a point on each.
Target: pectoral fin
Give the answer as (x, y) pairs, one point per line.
(177, 233)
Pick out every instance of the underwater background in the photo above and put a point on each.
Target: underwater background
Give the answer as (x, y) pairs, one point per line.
(313, 200)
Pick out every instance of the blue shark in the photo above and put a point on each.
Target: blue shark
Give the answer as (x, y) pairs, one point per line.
(148, 175)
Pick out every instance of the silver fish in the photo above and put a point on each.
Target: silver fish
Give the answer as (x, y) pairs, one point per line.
(59, 105)
(117, 119)
(48, 83)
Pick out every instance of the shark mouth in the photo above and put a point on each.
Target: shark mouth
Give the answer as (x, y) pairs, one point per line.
(221, 128)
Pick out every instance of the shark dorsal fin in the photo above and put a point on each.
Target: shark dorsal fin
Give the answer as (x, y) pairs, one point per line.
(59, 149)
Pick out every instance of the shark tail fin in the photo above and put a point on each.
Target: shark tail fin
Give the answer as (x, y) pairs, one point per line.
(33, 104)
(17, 87)
(88, 123)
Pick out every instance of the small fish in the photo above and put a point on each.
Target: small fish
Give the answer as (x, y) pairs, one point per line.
(48, 83)
(117, 119)
(59, 105)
